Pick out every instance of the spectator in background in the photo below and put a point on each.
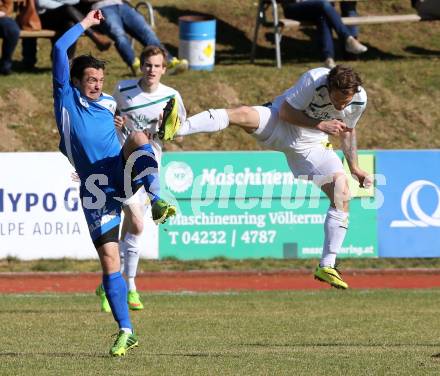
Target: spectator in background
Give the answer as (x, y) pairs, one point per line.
(348, 9)
(326, 18)
(121, 19)
(9, 32)
(59, 15)
(427, 9)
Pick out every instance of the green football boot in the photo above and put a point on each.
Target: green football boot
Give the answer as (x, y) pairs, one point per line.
(161, 211)
(134, 301)
(124, 341)
(331, 276)
(170, 123)
(105, 307)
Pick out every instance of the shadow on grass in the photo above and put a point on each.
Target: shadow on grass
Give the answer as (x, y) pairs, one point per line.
(366, 345)
(18, 67)
(198, 354)
(55, 354)
(422, 51)
(306, 51)
(100, 355)
(33, 311)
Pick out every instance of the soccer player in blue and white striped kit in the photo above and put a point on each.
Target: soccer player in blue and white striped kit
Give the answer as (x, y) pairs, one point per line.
(85, 120)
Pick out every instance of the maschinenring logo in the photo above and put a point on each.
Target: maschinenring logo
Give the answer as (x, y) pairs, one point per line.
(178, 176)
(410, 199)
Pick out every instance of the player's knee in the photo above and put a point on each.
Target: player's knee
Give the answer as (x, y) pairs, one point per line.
(109, 257)
(239, 115)
(248, 114)
(136, 226)
(134, 140)
(341, 188)
(138, 138)
(244, 116)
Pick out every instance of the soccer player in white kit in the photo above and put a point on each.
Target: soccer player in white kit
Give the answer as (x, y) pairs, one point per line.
(298, 123)
(141, 104)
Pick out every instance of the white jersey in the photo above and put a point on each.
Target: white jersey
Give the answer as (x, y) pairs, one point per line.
(310, 94)
(142, 109)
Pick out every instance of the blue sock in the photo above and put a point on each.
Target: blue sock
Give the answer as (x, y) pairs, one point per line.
(151, 180)
(116, 292)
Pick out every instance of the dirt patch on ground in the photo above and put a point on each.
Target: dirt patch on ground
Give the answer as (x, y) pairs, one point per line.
(17, 107)
(23, 101)
(9, 140)
(227, 93)
(231, 138)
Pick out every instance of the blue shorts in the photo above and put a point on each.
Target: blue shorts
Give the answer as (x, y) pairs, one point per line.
(102, 197)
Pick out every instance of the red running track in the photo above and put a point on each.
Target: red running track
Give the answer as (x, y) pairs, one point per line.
(220, 281)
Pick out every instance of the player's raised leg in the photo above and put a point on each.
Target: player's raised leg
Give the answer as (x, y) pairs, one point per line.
(212, 120)
(139, 156)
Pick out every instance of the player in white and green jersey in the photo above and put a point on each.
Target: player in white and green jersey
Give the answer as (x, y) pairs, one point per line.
(141, 103)
(298, 123)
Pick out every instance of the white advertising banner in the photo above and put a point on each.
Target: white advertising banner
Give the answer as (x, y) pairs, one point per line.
(40, 211)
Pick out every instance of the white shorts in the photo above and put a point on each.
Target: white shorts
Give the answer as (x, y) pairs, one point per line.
(138, 204)
(317, 162)
(139, 198)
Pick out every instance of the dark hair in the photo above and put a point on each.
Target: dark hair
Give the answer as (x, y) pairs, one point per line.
(344, 79)
(153, 51)
(82, 62)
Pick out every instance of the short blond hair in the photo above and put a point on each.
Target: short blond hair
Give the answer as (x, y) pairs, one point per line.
(153, 51)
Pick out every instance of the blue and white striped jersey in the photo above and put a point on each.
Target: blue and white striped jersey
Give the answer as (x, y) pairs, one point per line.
(87, 130)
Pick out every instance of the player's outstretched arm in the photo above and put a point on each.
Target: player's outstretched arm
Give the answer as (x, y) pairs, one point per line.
(60, 68)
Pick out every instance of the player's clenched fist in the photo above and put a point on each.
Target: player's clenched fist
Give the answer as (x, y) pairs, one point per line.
(332, 127)
(94, 17)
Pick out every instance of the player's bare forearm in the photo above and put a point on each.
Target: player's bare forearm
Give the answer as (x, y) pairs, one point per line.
(349, 148)
(293, 116)
(296, 117)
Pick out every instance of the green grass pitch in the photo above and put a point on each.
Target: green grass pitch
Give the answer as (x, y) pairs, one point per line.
(357, 332)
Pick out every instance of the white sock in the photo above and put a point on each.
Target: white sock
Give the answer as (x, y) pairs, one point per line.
(131, 284)
(131, 259)
(127, 330)
(335, 228)
(122, 254)
(206, 121)
(154, 186)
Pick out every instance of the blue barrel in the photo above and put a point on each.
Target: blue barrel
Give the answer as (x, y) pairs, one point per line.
(197, 41)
